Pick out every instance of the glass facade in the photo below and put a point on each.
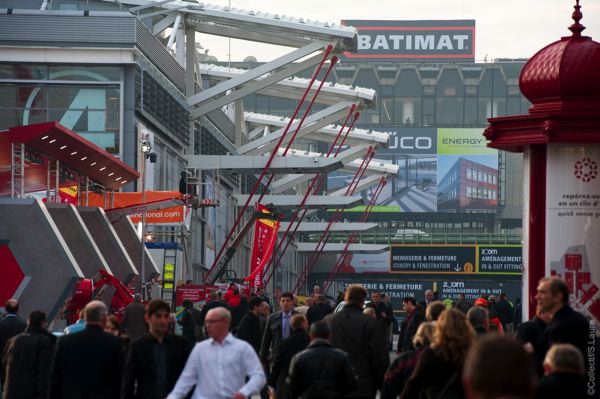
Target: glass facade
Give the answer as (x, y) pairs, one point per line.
(82, 98)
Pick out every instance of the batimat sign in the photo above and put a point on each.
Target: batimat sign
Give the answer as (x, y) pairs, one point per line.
(413, 40)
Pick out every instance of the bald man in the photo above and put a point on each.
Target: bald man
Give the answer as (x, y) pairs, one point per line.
(219, 366)
(88, 364)
(10, 326)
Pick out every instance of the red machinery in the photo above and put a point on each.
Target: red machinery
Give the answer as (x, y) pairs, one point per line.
(87, 291)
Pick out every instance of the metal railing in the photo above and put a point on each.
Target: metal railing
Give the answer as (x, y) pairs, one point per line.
(429, 238)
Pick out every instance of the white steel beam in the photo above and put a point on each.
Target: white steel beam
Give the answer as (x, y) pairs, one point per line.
(327, 134)
(254, 164)
(293, 88)
(339, 247)
(364, 184)
(263, 69)
(164, 23)
(251, 88)
(306, 227)
(174, 31)
(313, 202)
(312, 123)
(289, 181)
(378, 166)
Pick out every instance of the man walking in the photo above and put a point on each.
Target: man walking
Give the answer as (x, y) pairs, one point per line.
(11, 324)
(567, 326)
(278, 327)
(250, 328)
(356, 334)
(428, 299)
(155, 362)
(134, 322)
(219, 366)
(191, 323)
(321, 371)
(285, 351)
(319, 310)
(408, 328)
(88, 364)
(27, 359)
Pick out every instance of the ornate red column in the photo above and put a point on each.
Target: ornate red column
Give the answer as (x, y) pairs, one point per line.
(560, 140)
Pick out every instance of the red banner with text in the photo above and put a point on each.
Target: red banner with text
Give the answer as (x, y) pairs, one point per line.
(265, 236)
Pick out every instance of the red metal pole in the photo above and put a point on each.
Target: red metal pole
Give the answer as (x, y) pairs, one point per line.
(271, 157)
(306, 112)
(353, 237)
(334, 219)
(306, 195)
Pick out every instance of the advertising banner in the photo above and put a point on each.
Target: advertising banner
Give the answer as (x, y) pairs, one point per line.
(414, 40)
(170, 215)
(573, 222)
(473, 259)
(440, 170)
(448, 286)
(265, 236)
(432, 259)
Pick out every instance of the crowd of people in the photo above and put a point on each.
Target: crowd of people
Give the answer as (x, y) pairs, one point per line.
(236, 346)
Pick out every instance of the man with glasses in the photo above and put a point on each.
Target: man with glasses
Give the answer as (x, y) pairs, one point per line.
(219, 366)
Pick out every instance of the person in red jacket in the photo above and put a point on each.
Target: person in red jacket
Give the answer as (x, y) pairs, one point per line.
(232, 296)
(494, 319)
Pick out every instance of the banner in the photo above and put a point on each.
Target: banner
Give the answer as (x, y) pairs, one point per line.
(573, 222)
(265, 235)
(439, 170)
(159, 216)
(413, 40)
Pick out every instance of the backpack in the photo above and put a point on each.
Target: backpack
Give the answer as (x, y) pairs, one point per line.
(198, 330)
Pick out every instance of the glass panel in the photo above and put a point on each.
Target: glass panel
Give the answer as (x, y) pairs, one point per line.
(75, 72)
(8, 118)
(8, 96)
(31, 97)
(25, 72)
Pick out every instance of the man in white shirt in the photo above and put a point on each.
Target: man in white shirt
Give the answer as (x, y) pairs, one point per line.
(218, 366)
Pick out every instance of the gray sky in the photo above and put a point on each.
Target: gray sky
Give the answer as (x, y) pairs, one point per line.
(504, 28)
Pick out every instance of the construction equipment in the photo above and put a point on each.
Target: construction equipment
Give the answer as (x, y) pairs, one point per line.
(219, 268)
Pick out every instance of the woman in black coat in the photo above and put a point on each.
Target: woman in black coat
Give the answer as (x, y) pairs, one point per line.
(438, 372)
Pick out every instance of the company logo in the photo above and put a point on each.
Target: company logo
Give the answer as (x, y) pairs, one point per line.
(431, 40)
(410, 143)
(586, 170)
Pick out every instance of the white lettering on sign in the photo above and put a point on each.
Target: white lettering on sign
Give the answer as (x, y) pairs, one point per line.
(405, 42)
(411, 143)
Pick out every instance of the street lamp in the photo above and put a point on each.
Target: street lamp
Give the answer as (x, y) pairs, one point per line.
(146, 148)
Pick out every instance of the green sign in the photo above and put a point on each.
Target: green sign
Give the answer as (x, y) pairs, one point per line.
(463, 142)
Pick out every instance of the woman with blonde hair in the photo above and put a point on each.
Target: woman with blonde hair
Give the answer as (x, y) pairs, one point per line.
(438, 372)
(403, 366)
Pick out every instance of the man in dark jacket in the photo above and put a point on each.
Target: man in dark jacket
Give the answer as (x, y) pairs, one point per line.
(356, 334)
(214, 302)
(278, 327)
(155, 362)
(250, 328)
(190, 318)
(563, 374)
(505, 311)
(321, 371)
(319, 310)
(567, 325)
(11, 324)
(88, 364)
(27, 359)
(408, 328)
(134, 323)
(285, 351)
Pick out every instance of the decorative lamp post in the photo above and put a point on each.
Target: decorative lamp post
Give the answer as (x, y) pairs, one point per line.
(560, 140)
